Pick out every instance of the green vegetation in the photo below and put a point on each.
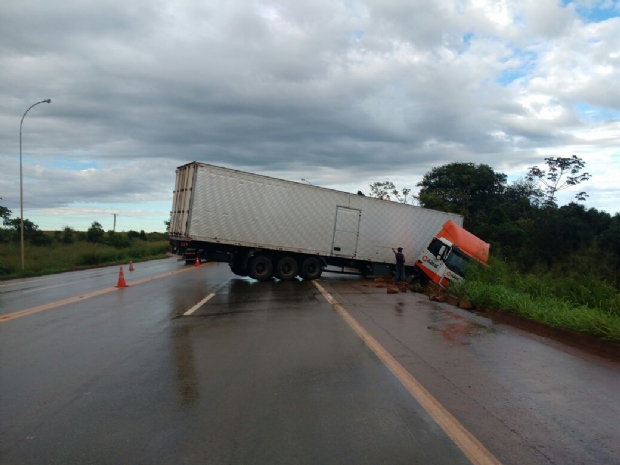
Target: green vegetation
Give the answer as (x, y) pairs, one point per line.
(66, 250)
(581, 302)
(555, 264)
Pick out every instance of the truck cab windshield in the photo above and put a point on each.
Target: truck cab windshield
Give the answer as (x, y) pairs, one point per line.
(435, 246)
(457, 262)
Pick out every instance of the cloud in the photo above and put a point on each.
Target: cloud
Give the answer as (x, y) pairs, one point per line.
(341, 93)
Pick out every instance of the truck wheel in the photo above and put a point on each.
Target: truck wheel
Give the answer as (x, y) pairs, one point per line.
(311, 268)
(286, 269)
(260, 268)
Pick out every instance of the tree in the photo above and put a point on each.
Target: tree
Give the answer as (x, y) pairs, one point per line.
(32, 233)
(119, 241)
(5, 214)
(562, 174)
(464, 188)
(167, 223)
(385, 190)
(95, 233)
(67, 235)
(5, 234)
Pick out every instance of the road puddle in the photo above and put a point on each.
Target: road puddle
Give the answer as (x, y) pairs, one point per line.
(456, 328)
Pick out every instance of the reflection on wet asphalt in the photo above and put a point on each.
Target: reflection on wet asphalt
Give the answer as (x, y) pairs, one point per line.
(285, 381)
(458, 328)
(528, 398)
(269, 373)
(20, 294)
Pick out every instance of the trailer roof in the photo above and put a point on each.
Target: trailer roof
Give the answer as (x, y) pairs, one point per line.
(310, 186)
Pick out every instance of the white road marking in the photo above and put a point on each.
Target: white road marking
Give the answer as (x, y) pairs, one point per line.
(60, 303)
(197, 306)
(469, 445)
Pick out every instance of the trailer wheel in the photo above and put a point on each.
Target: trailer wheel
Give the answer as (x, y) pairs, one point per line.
(286, 269)
(311, 268)
(260, 268)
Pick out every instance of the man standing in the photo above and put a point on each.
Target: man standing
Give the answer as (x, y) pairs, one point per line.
(400, 264)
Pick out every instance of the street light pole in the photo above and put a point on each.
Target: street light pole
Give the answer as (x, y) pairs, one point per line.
(21, 187)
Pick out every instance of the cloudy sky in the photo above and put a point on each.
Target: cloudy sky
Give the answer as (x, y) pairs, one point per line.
(341, 93)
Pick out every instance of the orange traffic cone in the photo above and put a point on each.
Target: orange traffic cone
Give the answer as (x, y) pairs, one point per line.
(130, 266)
(121, 279)
(197, 261)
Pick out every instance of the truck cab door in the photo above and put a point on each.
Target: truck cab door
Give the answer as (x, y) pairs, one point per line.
(346, 232)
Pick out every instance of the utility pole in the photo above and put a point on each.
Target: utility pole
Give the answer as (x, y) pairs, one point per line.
(114, 229)
(21, 187)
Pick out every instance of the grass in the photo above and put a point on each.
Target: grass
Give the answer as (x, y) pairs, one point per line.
(582, 303)
(56, 258)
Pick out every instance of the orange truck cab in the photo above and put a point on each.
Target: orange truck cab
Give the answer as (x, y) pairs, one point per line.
(446, 258)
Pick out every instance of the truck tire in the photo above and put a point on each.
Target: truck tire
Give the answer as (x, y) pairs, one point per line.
(260, 268)
(311, 268)
(286, 269)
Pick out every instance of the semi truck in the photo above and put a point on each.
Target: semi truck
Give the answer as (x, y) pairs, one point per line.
(265, 227)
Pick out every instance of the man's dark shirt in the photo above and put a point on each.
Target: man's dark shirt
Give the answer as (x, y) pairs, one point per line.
(400, 258)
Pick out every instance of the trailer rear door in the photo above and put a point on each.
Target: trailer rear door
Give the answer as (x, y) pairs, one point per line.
(346, 232)
(180, 216)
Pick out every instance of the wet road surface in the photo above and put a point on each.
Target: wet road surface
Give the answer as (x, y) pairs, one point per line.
(270, 373)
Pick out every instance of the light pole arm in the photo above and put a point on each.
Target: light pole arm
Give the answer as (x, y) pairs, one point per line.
(48, 100)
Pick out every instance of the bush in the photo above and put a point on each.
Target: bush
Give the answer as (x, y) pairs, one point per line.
(580, 302)
(67, 235)
(40, 238)
(98, 258)
(5, 269)
(117, 240)
(5, 235)
(156, 237)
(95, 233)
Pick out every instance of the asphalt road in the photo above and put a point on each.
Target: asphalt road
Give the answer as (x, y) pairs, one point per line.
(272, 373)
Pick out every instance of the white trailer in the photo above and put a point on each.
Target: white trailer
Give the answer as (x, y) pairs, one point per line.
(264, 226)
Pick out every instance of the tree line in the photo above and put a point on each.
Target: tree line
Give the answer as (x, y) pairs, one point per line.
(522, 220)
(11, 232)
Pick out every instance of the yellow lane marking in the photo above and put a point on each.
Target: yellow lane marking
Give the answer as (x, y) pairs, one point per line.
(60, 303)
(469, 445)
